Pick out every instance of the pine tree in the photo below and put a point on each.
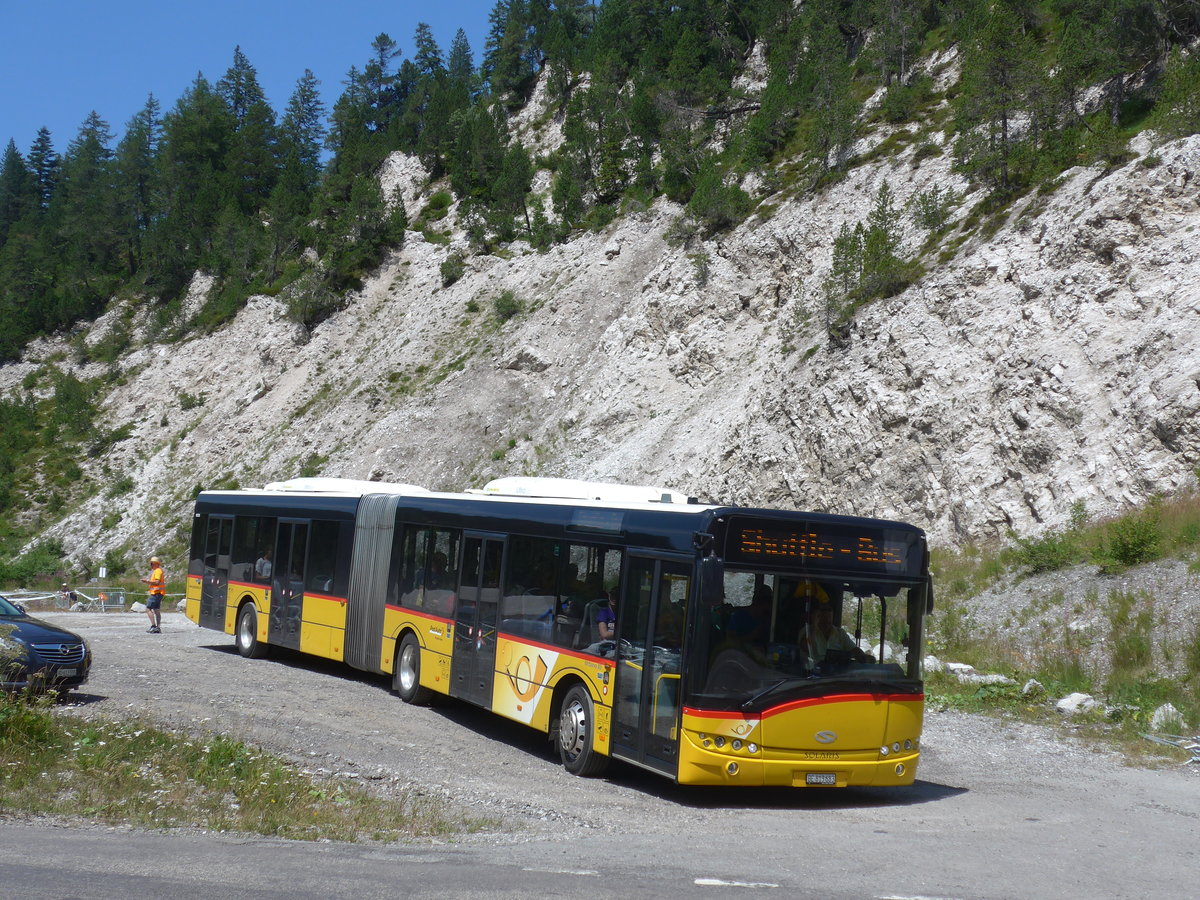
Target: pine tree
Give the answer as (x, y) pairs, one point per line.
(999, 67)
(511, 187)
(302, 130)
(461, 64)
(193, 151)
(428, 56)
(250, 161)
(382, 102)
(45, 164)
(827, 72)
(88, 222)
(897, 37)
(17, 189)
(1177, 112)
(137, 179)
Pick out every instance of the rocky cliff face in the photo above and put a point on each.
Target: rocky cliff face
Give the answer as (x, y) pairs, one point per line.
(1052, 362)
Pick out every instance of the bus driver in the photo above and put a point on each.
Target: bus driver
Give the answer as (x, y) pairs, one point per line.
(820, 635)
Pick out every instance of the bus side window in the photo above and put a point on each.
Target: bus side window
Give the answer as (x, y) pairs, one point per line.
(531, 591)
(199, 533)
(252, 536)
(440, 578)
(322, 556)
(414, 544)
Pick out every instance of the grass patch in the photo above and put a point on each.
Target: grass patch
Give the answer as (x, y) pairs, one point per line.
(130, 773)
(1109, 643)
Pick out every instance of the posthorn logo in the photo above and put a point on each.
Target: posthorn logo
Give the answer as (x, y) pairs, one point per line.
(826, 737)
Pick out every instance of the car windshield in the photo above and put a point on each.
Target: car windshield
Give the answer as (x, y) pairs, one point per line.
(8, 609)
(776, 637)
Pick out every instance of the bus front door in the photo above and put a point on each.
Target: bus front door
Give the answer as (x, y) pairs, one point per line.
(214, 589)
(650, 629)
(287, 584)
(473, 664)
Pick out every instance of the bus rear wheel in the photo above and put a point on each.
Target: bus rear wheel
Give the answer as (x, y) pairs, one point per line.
(406, 676)
(246, 636)
(576, 730)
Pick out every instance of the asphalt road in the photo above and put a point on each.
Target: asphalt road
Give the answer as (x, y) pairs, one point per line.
(1000, 809)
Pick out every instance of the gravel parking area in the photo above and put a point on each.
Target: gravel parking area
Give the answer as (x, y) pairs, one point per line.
(1000, 809)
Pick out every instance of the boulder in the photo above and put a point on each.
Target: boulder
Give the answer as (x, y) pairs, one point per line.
(1076, 703)
(1167, 718)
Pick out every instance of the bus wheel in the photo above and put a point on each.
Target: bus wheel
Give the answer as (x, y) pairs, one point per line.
(246, 636)
(576, 726)
(406, 676)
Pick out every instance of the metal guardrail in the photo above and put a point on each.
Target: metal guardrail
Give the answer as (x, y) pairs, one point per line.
(1183, 742)
(93, 599)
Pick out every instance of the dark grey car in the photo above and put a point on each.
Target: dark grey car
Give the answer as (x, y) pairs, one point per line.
(37, 654)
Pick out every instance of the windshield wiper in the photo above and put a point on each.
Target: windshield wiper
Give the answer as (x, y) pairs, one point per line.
(746, 704)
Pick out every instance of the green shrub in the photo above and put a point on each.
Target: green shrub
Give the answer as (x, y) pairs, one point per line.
(1133, 540)
(122, 485)
(507, 305)
(437, 207)
(452, 269)
(1048, 553)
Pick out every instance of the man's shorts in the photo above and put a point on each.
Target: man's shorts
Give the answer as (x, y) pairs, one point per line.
(154, 601)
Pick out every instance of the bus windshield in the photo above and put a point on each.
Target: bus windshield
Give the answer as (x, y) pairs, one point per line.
(776, 637)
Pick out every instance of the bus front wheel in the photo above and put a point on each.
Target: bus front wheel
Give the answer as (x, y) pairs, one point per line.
(406, 676)
(246, 637)
(576, 729)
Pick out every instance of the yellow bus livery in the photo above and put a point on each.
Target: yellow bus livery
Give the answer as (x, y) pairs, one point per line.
(711, 644)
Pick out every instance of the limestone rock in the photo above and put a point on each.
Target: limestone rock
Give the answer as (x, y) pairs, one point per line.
(1076, 703)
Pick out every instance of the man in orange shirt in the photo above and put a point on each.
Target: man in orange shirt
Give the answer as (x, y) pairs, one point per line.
(158, 587)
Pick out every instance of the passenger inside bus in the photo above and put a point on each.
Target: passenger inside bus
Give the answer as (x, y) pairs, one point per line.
(606, 618)
(262, 567)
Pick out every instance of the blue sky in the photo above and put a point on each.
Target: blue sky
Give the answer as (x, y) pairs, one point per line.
(60, 60)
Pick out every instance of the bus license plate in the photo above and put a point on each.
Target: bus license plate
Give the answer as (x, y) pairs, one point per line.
(68, 673)
(820, 778)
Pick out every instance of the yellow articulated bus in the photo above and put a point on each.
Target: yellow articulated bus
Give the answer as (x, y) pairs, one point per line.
(710, 644)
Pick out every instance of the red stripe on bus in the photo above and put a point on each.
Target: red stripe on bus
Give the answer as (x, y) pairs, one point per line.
(418, 613)
(341, 600)
(797, 704)
(520, 639)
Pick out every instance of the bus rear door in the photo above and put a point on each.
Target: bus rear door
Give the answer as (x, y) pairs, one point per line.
(214, 590)
(473, 663)
(650, 627)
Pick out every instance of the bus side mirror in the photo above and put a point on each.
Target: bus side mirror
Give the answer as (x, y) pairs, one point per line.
(712, 581)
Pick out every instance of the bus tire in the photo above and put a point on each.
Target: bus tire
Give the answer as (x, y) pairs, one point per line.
(246, 635)
(576, 731)
(406, 674)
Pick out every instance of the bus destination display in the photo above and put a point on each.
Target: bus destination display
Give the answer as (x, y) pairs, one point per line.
(813, 546)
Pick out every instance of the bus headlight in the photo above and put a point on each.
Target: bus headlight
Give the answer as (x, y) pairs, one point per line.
(752, 747)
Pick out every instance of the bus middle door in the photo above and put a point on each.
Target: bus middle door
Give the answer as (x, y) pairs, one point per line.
(650, 629)
(287, 584)
(473, 663)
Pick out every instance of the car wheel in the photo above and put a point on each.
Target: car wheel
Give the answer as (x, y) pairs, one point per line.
(406, 675)
(246, 637)
(576, 729)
